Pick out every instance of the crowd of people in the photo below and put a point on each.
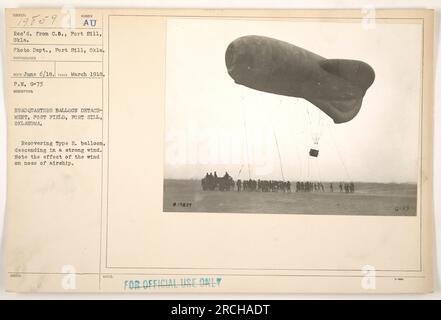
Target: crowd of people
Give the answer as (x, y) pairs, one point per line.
(263, 185)
(211, 181)
(309, 186)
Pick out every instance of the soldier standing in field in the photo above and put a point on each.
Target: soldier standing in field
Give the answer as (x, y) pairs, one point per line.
(239, 185)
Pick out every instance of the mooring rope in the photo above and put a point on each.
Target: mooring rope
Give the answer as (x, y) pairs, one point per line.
(246, 138)
(278, 151)
(339, 154)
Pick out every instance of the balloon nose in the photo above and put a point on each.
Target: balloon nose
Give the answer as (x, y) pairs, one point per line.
(230, 57)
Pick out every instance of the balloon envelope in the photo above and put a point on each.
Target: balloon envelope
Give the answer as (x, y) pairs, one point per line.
(336, 86)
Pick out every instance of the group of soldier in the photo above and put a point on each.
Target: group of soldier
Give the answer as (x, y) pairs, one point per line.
(347, 187)
(309, 186)
(263, 185)
(211, 181)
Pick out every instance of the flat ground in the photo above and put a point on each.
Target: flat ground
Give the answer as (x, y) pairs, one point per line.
(369, 199)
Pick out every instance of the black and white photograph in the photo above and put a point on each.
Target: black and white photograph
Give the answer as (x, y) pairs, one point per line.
(221, 151)
(292, 117)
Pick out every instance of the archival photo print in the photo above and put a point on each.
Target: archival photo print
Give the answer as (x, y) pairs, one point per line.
(292, 117)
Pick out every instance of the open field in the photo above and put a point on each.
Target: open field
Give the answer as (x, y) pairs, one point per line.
(369, 199)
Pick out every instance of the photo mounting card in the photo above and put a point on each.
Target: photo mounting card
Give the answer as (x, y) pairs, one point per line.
(164, 150)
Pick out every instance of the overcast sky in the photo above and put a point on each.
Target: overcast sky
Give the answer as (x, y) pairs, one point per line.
(213, 124)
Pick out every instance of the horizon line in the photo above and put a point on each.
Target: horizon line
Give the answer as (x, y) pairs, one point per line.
(311, 180)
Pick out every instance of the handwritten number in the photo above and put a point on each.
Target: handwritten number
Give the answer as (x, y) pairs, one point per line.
(37, 19)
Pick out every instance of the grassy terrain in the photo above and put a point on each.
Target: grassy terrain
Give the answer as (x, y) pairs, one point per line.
(368, 199)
